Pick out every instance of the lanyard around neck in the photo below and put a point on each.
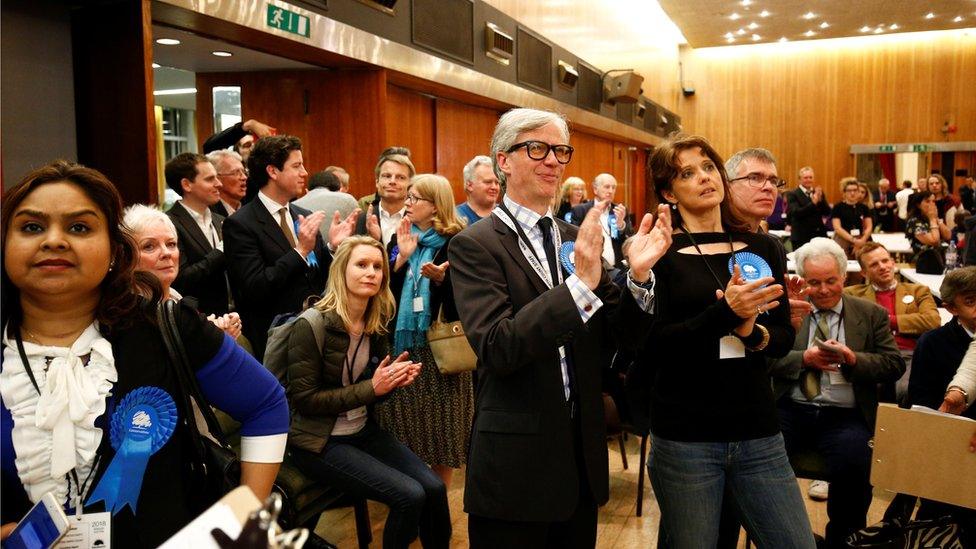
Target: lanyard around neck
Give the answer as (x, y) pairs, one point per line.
(524, 243)
(702, 255)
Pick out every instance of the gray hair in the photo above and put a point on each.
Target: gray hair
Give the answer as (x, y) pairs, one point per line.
(218, 156)
(601, 177)
(472, 165)
(958, 282)
(820, 247)
(517, 121)
(139, 218)
(757, 153)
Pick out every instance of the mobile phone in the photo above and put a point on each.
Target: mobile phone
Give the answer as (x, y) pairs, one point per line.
(41, 528)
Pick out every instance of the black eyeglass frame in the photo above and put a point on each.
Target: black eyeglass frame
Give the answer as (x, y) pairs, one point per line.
(549, 148)
(779, 184)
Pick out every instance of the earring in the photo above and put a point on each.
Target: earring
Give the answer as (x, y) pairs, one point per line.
(674, 206)
(111, 265)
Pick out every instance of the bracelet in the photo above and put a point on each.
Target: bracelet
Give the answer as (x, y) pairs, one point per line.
(765, 339)
(959, 390)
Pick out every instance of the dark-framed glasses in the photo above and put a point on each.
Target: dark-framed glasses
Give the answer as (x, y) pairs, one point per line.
(539, 150)
(757, 181)
(413, 199)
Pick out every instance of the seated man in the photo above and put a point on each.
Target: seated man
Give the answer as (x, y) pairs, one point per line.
(911, 308)
(827, 385)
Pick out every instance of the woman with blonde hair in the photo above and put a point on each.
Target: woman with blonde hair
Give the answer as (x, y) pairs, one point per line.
(334, 437)
(571, 194)
(432, 417)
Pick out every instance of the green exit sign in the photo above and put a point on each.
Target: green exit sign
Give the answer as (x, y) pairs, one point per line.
(288, 21)
(886, 148)
(920, 148)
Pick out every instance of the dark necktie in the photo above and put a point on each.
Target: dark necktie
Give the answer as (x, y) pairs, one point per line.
(284, 227)
(810, 378)
(545, 224)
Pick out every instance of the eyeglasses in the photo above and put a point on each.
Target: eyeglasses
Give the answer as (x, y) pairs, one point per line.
(413, 199)
(756, 181)
(238, 172)
(539, 150)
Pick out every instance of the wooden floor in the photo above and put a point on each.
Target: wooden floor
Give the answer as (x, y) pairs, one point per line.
(618, 526)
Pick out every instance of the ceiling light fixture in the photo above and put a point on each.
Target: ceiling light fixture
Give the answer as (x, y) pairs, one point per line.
(175, 91)
(783, 39)
(809, 15)
(753, 25)
(879, 30)
(809, 33)
(764, 13)
(824, 25)
(729, 35)
(155, 65)
(746, 3)
(735, 16)
(740, 32)
(756, 38)
(730, 39)
(168, 42)
(958, 19)
(893, 26)
(865, 28)
(929, 15)
(219, 53)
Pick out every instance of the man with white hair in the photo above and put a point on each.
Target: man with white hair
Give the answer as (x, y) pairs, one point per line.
(233, 181)
(614, 222)
(885, 205)
(481, 186)
(827, 386)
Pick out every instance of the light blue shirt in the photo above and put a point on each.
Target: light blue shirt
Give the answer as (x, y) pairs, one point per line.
(840, 392)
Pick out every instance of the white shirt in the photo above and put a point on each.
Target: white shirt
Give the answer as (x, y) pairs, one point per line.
(273, 207)
(901, 197)
(607, 241)
(205, 223)
(834, 389)
(389, 222)
(230, 209)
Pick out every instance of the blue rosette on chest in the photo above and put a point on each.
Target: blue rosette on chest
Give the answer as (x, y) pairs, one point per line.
(142, 423)
(751, 266)
(567, 257)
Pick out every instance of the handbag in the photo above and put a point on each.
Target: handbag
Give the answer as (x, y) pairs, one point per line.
(452, 352)
(930, 261)
(216, 463)
(917, 534)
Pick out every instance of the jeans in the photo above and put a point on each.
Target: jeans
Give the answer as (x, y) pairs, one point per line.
(690, 478)
(374, 465)
(841, 435)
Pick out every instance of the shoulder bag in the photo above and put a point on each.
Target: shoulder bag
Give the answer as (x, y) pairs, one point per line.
(452, 352)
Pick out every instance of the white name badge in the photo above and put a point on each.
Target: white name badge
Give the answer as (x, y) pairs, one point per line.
(418, 304)
(731, 347)
(837, 378)
(356, 413)
(855, 232)
(88, 531)
(908, 299)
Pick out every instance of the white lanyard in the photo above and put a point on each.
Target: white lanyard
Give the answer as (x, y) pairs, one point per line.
(530, 253)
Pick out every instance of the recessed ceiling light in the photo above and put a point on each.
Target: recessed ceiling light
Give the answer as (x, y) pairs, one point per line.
(175, 91)
(764, 13)
(756, 37)
(809, 33)
(809, 15)
(155, 65)
(753, 25)
(893, 26)
(929, 15)
(740, 32)
(783, 39)
(824, 25)
(865, 28)
(729, 35)
(168, 42)
(222, 53)
(734, 16)
(958, 19)
(879, 30)
(730, 39)
(746, 3)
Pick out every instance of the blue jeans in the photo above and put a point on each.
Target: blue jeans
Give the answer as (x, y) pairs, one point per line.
(690, 478)
(374, 465)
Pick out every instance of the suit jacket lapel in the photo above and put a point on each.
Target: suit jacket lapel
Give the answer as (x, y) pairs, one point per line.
(191, 228)
(509, 240)
(853, 326)
(271, 226)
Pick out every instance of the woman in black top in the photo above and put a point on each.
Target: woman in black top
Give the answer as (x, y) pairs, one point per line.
(851, 219)
(719, 315)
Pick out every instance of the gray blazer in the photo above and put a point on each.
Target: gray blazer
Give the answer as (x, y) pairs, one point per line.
(868, 334)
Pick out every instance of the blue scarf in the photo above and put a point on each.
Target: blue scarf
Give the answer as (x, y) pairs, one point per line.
(411, 327)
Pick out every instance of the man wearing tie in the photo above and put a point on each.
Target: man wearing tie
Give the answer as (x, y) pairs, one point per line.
(203, 269)
(805, 209)
(614, 222)
(827, 386)
(538, 458)
(275, 255)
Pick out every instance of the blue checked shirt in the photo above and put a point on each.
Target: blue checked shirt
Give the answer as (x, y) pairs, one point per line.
(587, 303)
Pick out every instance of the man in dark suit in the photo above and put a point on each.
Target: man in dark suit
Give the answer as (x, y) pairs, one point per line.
(828, 393)
(233, 181)
(537, 466)
(616, 227)
(275, 255)
(387, 207)
(805, 208)
(203, 269)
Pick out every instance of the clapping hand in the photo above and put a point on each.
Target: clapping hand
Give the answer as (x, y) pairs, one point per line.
(392, 374)
(435, 272)
(230, 323)
(650, 243)
(406, 243)
(308, 231)
(588, 249)
(800, 308)
(340, 230)
(620, 213)
(748, 299)
(373, 224)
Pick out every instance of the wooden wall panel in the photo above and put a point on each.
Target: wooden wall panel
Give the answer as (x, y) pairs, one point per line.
(463, 132)
(410, 123)
(808, 103)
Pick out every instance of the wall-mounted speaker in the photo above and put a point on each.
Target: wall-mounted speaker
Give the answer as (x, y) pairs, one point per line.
(498, 45)
(623, 88)
(641, 110)
(566, 75)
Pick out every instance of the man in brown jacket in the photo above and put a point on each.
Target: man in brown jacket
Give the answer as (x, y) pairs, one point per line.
(911, 308)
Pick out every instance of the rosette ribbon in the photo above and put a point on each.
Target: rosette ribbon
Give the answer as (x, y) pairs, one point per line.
(140, 426)
(567, 257)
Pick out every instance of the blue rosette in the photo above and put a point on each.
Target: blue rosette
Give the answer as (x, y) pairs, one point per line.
(751, 266)
(140, 426)
(566, 257)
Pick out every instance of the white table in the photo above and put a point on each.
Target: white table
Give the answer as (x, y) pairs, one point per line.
(895, 243)
(934, 282)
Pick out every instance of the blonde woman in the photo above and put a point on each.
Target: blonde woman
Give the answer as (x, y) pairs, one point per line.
(432, 417)
(571, 194)
(334, 437)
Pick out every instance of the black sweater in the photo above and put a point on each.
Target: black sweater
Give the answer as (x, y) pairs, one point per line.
(695, 396)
